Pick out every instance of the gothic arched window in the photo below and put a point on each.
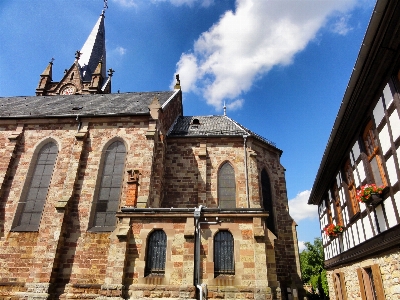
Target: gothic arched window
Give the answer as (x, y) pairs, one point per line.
(30, 209)
(110, 188)
(156, 252)
(224, 263)
(267, 200)
(226, 186)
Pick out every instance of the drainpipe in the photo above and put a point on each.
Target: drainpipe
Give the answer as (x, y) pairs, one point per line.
(197, 242)
(245, 170)
(79, 122)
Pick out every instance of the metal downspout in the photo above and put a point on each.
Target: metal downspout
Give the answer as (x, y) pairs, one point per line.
(245, 171)
(197, 284)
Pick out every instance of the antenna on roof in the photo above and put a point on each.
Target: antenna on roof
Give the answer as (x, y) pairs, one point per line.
(224, 109)
(105, 6)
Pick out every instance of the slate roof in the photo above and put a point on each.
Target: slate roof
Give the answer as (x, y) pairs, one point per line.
(89, 105)
(215, 126)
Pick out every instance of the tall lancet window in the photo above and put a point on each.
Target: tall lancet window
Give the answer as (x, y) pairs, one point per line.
(267, 200)
(30, 209)
(226, 186)
(110, 188)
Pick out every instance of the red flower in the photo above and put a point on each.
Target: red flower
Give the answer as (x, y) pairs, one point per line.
(365, 192)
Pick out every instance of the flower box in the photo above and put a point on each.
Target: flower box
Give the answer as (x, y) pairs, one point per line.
(333, 230)
(370, 194)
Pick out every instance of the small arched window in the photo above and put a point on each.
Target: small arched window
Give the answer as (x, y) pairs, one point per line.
(30, 209)
(372, 151)
(224, 263)
(226, 186)
(156, 252)
(110, 188)
(267, 200)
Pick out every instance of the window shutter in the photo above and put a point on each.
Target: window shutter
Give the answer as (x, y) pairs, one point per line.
(376, 273)
(343, 286)
(361, 283)
(335, 285)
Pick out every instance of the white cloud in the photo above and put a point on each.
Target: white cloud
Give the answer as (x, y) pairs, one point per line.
(341, 26)
(234, 105)
(126, 3)
(302, 246)
(120, 50)
(204, 3)
(246, 43)
(299, 209)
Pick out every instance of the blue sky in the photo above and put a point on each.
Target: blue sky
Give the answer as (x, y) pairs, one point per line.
(281, 66)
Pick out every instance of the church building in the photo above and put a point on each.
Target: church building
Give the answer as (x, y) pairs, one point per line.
(357, 188)
(120, 196)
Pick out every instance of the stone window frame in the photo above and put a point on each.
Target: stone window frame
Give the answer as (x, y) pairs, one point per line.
(92, 227)
(230, 271)
(17, 226)
(339, 285)
(370, 282)
(222, 165)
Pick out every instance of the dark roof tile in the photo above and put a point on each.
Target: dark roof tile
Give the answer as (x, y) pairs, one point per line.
(72, 105)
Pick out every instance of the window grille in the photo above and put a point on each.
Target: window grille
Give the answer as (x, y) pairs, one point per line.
(226, 186)
(156, 250)
(267, 200)
(224, 263)
(30, 210)
(110, 187)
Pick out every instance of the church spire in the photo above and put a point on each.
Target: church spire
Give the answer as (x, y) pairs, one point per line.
(94, 50)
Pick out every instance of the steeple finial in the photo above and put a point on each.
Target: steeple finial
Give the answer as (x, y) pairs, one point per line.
(224, 109)
(178, 82)
(78, 54)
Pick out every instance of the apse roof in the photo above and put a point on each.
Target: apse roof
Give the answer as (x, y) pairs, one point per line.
(89, 105)
(211, 126)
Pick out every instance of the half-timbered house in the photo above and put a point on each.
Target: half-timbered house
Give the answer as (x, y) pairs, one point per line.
(363, 154)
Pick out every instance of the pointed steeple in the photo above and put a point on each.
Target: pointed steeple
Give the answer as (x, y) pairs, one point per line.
(93, 51)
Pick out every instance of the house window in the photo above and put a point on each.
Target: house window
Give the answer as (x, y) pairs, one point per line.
(110, 188)
(337, 205)
(226, 186)
(267, 200)
(349, 177)
(372, 151)
(223, 254)
(156, 250)
(339, 285)
(30, 210)
(370, 282)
